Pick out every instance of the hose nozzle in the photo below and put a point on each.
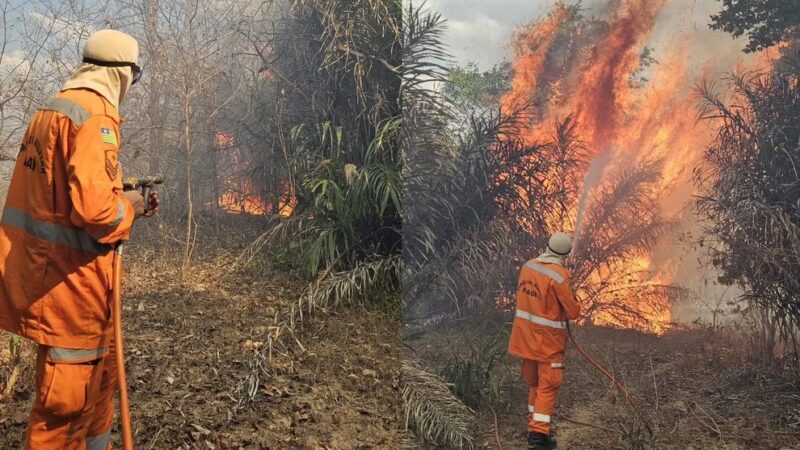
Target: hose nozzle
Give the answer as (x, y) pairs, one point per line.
(145, 184)
(139, 183)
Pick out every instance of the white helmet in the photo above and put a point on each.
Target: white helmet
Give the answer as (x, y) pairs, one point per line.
(560, 244)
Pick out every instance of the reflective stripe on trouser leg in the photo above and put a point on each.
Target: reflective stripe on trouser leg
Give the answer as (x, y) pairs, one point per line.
(61, 411)
(69, 355)
(550, 380)
(103, 403)
(101, 442)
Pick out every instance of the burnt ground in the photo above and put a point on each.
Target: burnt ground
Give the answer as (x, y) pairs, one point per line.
(189, 344)
(697, 388)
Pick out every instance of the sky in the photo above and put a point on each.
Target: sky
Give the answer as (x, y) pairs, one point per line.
(478, 31)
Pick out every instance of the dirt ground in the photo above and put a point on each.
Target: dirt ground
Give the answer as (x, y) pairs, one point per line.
(189, 344)
(695, 387)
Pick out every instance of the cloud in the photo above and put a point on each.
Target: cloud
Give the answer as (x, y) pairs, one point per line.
(479, 30)
(484, 47)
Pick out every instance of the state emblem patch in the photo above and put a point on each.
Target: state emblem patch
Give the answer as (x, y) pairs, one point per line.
(108, 137)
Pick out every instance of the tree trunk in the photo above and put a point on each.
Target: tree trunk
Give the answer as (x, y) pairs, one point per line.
(187, 255)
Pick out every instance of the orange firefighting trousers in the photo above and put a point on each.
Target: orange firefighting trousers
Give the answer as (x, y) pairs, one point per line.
(543, 379)
(74, 406)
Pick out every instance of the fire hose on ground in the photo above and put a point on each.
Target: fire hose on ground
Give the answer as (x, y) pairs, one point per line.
(620, 387)
(145, 184)
(606, 373)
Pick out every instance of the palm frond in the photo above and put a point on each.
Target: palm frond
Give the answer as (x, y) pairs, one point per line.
(432, 412)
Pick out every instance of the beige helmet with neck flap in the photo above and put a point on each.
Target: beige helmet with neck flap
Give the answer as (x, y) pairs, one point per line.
(109, 66)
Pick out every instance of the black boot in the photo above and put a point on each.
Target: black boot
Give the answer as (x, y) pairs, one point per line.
(540, 441)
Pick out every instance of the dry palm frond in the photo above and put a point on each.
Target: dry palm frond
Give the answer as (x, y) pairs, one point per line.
(432, 412)
(338, 67)
(378, 278)
(375, 277)
(621, 221)
(410, 440)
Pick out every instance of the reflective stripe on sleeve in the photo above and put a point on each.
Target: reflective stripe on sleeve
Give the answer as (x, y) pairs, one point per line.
(74, 111)
(541, 418)
(100, 442)
(545, 271)
(540, 320)
(530, 409)
(58, 354)
(557, 365)
(51, 232)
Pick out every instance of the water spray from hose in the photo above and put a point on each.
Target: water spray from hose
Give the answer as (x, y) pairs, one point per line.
(593, 176)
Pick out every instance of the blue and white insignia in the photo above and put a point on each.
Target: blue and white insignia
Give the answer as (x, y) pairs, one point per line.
(108, 136)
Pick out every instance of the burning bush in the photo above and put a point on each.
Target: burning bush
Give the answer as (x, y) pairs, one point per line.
(553, 154)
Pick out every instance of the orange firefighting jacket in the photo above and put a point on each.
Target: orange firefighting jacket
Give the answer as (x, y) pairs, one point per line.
(544, 303)
(63, 213)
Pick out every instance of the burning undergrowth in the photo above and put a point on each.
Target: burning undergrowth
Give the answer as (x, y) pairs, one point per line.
(239, 192)
(625, 88)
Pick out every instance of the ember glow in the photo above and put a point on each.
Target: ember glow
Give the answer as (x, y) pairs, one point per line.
(243, 199)
(628, 78)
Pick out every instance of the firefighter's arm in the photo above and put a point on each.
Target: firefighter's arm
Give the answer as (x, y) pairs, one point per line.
(567, 299)
(99, 207)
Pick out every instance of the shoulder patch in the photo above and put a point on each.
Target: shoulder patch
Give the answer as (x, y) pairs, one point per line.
(107, 136)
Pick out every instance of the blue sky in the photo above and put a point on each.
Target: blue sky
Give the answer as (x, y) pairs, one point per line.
(13, 20)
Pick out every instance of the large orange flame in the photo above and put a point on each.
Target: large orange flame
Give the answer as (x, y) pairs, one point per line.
(621, 121)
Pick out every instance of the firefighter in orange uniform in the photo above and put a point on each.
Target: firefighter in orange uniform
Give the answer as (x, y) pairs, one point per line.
(64, 213)
(544, 304)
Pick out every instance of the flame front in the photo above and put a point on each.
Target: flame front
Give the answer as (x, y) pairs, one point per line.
(240, 195)
(626, 112)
